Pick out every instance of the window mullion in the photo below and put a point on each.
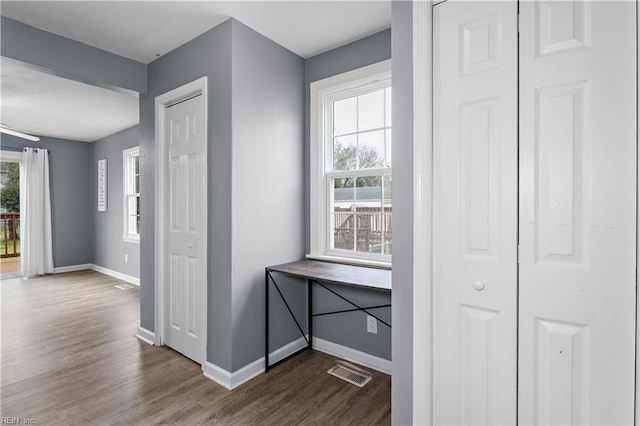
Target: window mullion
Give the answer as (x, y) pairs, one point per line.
(385, 171)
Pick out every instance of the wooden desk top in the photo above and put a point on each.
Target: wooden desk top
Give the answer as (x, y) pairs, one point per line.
(359, 276)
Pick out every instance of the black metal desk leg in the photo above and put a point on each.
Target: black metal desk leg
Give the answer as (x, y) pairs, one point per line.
(310, 312)
(266, 320)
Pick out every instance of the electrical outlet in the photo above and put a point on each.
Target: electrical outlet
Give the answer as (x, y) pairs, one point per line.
(126, 258)
(372, 325)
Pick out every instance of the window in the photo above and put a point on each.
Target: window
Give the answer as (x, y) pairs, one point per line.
(351, 186)
(131, 179)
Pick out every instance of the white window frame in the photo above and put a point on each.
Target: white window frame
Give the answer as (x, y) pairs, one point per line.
(323, 93)
(127, 179)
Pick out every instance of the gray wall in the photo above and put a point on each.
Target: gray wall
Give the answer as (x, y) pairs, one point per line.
(207, 55)
(71, 212)
(402, 68)
(255, 170)
(348, 329)
(110, 249)
(69, 58)
(268, 191)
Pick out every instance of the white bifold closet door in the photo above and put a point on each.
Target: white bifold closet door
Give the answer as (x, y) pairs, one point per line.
(534, 153)
(475, 212)
(577, 212)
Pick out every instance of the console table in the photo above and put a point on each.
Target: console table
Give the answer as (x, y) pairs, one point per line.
(319, 272)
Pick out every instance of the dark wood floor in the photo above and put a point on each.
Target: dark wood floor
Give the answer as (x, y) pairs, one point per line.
(69, 356)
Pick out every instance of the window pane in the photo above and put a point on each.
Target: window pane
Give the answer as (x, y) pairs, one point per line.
(371, 111)
(387, 234)
(344, 153)
(343, 197)
(368, 233)
(344, 116)
(136, 167)
(387, 107)
(387, 193)
(369, 194)
(136, 184)
(343, 231)
(387, 148)
(371, 149)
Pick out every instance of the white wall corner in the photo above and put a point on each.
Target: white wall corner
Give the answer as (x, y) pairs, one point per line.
(72, 268)
(146, 335)
(367, 360)
(119, 275)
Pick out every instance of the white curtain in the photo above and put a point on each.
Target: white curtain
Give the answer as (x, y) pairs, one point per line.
(35, 213)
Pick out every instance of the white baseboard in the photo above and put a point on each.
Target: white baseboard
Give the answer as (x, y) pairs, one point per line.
(349, 354)
(217, 374)
(248, 372)
(124, 277)
(286, 350)
(146, 335)
(72, 268)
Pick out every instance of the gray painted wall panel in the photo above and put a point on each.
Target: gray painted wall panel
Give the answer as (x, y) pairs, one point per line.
(207, 55)
(70, 58)
(347, 329)
(268, 207)
(402, 68)
(108, 226)
(71, 212)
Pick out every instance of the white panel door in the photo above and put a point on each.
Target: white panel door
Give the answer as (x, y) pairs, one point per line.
(577, 212)
(184, 297)
(475, 213)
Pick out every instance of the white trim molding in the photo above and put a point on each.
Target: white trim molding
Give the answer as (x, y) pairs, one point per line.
(11, 156)
(366, 360)
(72, 268)
(128, 155)
(86, 266)
(232, 380)
(248, 372)
(422, 217)
(194, 88)
(146, 336)
(322, 94)
(286, 350)
(119, 275)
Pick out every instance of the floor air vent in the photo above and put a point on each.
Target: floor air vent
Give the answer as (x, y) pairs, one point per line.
(124, 286)
(350, 373)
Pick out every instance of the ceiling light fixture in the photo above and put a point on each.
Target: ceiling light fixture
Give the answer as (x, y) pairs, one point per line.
(4, 128)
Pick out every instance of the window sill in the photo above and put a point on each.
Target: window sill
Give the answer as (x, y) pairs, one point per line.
(131, 240)
(350, 261)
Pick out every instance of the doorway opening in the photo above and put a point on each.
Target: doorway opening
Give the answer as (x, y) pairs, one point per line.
(10, 244)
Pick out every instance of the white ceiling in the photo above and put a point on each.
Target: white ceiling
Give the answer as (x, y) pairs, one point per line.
(141, 30)
(46, 105)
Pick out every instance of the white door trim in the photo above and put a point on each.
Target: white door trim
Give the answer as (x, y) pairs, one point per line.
(422, 212)
(161, 199)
